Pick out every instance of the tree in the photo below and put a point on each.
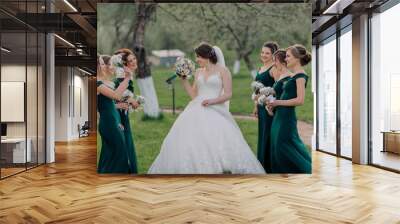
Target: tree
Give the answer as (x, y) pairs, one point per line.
(124, 26)
(241, 28)
(144, 13)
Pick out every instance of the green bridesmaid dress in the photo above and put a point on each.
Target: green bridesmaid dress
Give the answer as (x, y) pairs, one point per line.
(289, 154)
(130, 146)
(264, 124)
(113, 156)
(278, 86)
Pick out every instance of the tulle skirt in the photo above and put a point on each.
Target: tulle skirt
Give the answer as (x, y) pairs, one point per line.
(205, 140)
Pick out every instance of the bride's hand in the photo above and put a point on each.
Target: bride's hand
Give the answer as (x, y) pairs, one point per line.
(207, 103)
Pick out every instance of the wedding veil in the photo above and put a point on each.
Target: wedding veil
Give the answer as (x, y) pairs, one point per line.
(220, 61)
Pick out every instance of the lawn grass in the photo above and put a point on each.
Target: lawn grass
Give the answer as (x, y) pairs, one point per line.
(149, 135)
(240, 102)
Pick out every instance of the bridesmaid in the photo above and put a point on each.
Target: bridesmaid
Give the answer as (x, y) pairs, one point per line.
(113, 158)
(280, 72)
(129, 60)
(264, 119)
(289, 154)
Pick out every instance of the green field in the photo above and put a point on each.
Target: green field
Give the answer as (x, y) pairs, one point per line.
(240, 102)
(149, 135)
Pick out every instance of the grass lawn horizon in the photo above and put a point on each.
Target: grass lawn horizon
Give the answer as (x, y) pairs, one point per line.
(240, 104)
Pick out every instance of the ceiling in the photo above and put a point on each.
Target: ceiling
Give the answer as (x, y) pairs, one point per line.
(74, 22)
(330, 15)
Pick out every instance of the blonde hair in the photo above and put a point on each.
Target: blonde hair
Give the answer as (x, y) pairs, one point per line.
(102, 62)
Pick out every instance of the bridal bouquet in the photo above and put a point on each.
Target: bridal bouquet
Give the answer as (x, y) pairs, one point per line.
(184, 68)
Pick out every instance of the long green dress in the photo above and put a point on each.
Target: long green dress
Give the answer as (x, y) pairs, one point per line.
(289, 154)
(278, 86)
(113, 156)
(130, 146)
(264, 124)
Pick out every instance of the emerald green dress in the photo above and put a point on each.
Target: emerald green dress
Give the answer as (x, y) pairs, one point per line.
(130, 146)
(113, 156)
(289, 154)
(264, 124)
(278, 86)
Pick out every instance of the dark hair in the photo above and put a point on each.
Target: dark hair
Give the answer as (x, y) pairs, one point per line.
(125, 52)
(272, 46)
(300, 52)
(280, 55)
(205, 50)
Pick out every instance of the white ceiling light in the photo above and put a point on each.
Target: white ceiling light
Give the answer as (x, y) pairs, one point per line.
(70, 5)
(86, 72)
(65, 41)
(5, 50)
(338, 6)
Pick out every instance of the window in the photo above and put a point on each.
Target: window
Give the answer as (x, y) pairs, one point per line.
(346, 92)
(22, 66)
(327, 95)
(385, 88)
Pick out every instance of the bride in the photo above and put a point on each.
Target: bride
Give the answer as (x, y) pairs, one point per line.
(205, 138)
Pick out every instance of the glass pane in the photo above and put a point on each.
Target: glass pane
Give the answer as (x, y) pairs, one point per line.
(385, 84)
(41, 99)
(327, 96)
(13, 86)
(346, 94)
(31, 98)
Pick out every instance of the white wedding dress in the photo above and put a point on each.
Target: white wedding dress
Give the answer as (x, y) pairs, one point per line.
(206, 140)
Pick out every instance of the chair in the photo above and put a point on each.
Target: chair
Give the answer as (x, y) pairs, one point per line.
(84, 130)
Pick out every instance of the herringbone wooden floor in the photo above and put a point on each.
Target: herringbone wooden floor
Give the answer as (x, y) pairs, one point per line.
(70, 191)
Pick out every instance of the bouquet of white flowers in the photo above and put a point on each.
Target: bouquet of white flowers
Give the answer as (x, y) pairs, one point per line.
(267, 94)
(184, 68)
(261, 94)
(117, 63)
(256, 86)
(140, 99)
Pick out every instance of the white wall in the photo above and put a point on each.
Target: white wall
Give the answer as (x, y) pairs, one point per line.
(61, 104)
(70, 83)
(17, 73)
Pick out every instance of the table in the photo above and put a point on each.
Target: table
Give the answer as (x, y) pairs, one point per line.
(13, 150)
(391, 141)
